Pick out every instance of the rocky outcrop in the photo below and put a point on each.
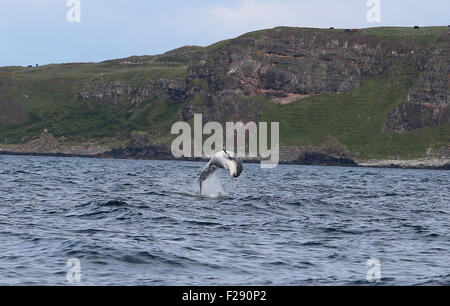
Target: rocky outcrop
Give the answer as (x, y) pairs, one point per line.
(140, 139)
(47, 144)
(148, 152)
(139, 147)
(422, 163)
(312, 156)
(231, 81)
(283, 63)
(413, 115)
(329, 153)
(427, 103)
(442, 152)
(235, 80)
(115, 91)
(331, 145)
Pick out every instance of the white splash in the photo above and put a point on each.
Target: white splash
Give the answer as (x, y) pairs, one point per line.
(212, 188)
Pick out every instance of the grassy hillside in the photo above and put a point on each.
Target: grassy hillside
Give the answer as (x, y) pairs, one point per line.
(423, 36)
(45, 97)
(356, 119)
(48, 97)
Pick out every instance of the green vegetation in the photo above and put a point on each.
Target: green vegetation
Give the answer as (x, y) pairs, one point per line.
(423, 36)
(48, 97)
(45, 97)
(356, 119)
(260, 33)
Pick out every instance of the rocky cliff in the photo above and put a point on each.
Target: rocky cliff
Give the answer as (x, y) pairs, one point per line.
(380, 92)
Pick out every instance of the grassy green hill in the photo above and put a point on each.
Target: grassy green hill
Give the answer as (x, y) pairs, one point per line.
(38, 98)
(356, 119)
(110, 100)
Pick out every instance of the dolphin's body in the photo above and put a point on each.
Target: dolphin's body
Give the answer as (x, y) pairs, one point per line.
(222, 159)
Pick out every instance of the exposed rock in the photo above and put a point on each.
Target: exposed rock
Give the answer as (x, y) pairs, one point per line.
(413, 115)
(329, 153)
(140, 140)
(113, 92)
(422, 163)
(234, 80)
(140, 146)
(147, 152)
(432, 84)
(286, 98)
(285, 64)
(312, 156)
(427, 103)
(331, 146)
(47, 144)
(443, 152)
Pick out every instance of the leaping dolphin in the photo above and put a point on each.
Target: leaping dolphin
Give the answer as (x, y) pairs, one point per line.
(223, 159)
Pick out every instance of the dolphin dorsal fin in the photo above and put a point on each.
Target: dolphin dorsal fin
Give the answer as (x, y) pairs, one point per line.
(224, 150)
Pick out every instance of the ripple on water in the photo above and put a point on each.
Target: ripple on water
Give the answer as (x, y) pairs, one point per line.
(143, 222)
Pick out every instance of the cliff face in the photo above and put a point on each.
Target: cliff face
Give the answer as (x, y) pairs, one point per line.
(112, 92)
(427, 103)
(395, 79)
(281, 64)
(285, 65)
(296, 61)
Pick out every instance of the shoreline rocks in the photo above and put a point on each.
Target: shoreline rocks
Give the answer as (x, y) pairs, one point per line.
(306, 156)
(421, 163)
(140, 146)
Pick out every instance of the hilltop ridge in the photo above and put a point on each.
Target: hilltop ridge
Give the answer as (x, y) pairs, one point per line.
(382, 93)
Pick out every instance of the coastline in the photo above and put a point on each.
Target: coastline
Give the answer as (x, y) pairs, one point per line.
(431, 163)
(420, 163)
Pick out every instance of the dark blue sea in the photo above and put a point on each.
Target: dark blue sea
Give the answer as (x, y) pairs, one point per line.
(131, 222)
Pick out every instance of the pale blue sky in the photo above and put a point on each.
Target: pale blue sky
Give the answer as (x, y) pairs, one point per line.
(37, 31)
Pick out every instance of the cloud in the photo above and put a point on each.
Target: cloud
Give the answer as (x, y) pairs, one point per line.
(218, 20)
(38, 32)
(252, 14)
